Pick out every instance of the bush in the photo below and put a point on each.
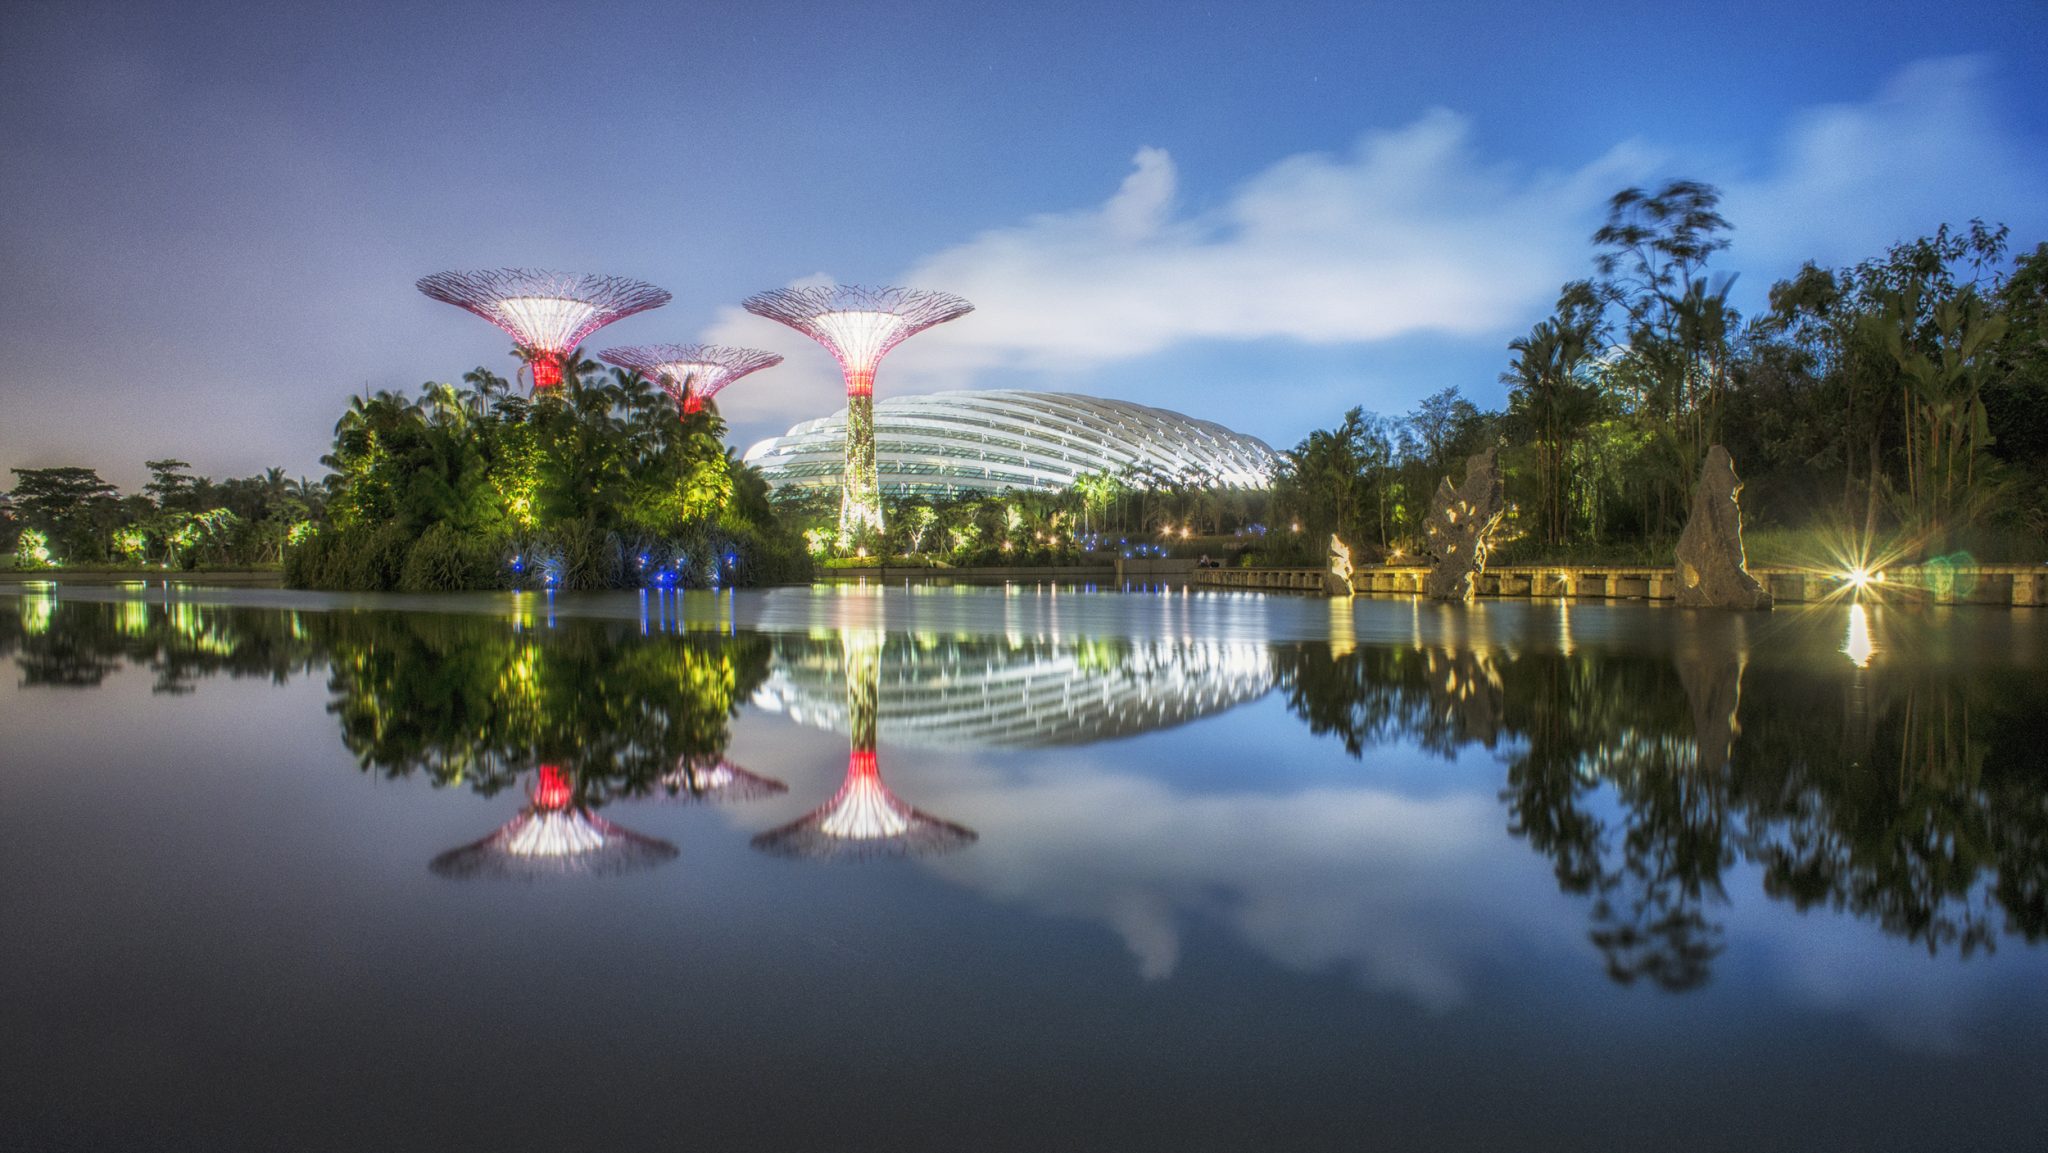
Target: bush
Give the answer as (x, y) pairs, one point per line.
(349, 560)
(443, 560)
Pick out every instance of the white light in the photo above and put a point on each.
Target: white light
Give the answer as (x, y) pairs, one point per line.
(860, 338)
(1857, 646)
(550, 323)
(864, 811)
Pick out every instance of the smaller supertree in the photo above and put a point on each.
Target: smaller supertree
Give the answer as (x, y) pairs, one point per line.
(715, 779)
(555, 836)
(691, 373)
(547, 313)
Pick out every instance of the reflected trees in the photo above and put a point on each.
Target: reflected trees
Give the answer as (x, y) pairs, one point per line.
(1907, 793)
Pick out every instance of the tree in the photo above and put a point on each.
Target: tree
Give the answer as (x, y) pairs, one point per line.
(1652, 265)
(1548, 398)
(72, 507)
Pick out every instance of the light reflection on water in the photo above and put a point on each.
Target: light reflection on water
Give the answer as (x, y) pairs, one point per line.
(1586, 821)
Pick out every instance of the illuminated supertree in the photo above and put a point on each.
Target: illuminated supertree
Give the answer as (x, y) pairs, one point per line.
(713, 778)
(858, 326)
(691, 373)
(864, 819)
(547, 313)
(554, 837)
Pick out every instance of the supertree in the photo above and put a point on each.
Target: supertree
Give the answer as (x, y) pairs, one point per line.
(554, 836)
(692, 373)
(864, 819)
(858, 326)
(712, 778)
(547, 313)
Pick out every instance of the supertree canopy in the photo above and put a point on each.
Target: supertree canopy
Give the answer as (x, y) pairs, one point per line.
(858, 326)
(692, 373)
(864, 819)
(547, 313)
(712, 778)
(554, 836)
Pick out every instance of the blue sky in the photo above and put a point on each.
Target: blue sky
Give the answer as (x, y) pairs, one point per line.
(1261, 214)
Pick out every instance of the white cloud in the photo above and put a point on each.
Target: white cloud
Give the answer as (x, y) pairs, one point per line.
(1412, 231)
(1850, 180)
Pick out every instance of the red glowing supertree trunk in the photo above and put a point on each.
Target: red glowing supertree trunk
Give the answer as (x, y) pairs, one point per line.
(547, 313)
(691, 373)
(858, 326)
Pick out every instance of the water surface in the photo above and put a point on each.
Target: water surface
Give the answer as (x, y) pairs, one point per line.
(1034, 867)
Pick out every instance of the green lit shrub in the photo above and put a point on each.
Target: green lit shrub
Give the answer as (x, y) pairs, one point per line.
(443, 560)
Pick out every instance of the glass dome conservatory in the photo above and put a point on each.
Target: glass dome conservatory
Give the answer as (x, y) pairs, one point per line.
(945, 443)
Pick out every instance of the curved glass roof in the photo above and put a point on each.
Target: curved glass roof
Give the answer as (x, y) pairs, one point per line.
(1019, 692)
(943, 443)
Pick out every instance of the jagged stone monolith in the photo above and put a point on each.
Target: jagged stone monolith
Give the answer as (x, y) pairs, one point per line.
(1337, 581)
(1712, 571)
(1463, 522)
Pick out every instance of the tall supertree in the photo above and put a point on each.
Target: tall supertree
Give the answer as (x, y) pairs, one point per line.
(547, 313)
(691, 373)
(864, 819)
(858, 326)
(554, 836)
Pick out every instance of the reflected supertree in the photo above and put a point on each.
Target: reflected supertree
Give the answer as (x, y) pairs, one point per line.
(858, 326)
(864, 819)
(690, 373)
(713, 779)
(548, 314)
(556, 835)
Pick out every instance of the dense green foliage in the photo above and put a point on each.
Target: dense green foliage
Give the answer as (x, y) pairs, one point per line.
(70, 516)
(466, 701)
(1898, 403)
(595, 484)
(1102, 514)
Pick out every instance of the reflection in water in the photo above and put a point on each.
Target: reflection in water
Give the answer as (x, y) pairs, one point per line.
(863, 819)
(1915, 801)
(1857, 646)
(555, 836)
(995, 692)
(1646, 770)
(712, 778)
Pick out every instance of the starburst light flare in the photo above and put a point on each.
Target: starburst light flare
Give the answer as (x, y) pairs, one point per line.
(858, 325)
(691, 373)
(547, 313)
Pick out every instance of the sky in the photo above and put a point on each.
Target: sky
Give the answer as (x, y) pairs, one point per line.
(1261, 214)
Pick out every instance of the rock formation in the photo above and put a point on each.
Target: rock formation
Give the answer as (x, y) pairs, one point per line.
(1463, 522)
(1337, 582)
(1712, 572)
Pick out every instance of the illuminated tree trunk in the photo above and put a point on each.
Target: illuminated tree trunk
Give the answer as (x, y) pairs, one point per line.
(860, 502)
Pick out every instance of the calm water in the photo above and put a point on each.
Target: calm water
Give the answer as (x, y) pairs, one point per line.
(1029, 868)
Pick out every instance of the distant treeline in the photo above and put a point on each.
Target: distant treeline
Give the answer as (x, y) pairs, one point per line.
(1902, 401)
(72, 516)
